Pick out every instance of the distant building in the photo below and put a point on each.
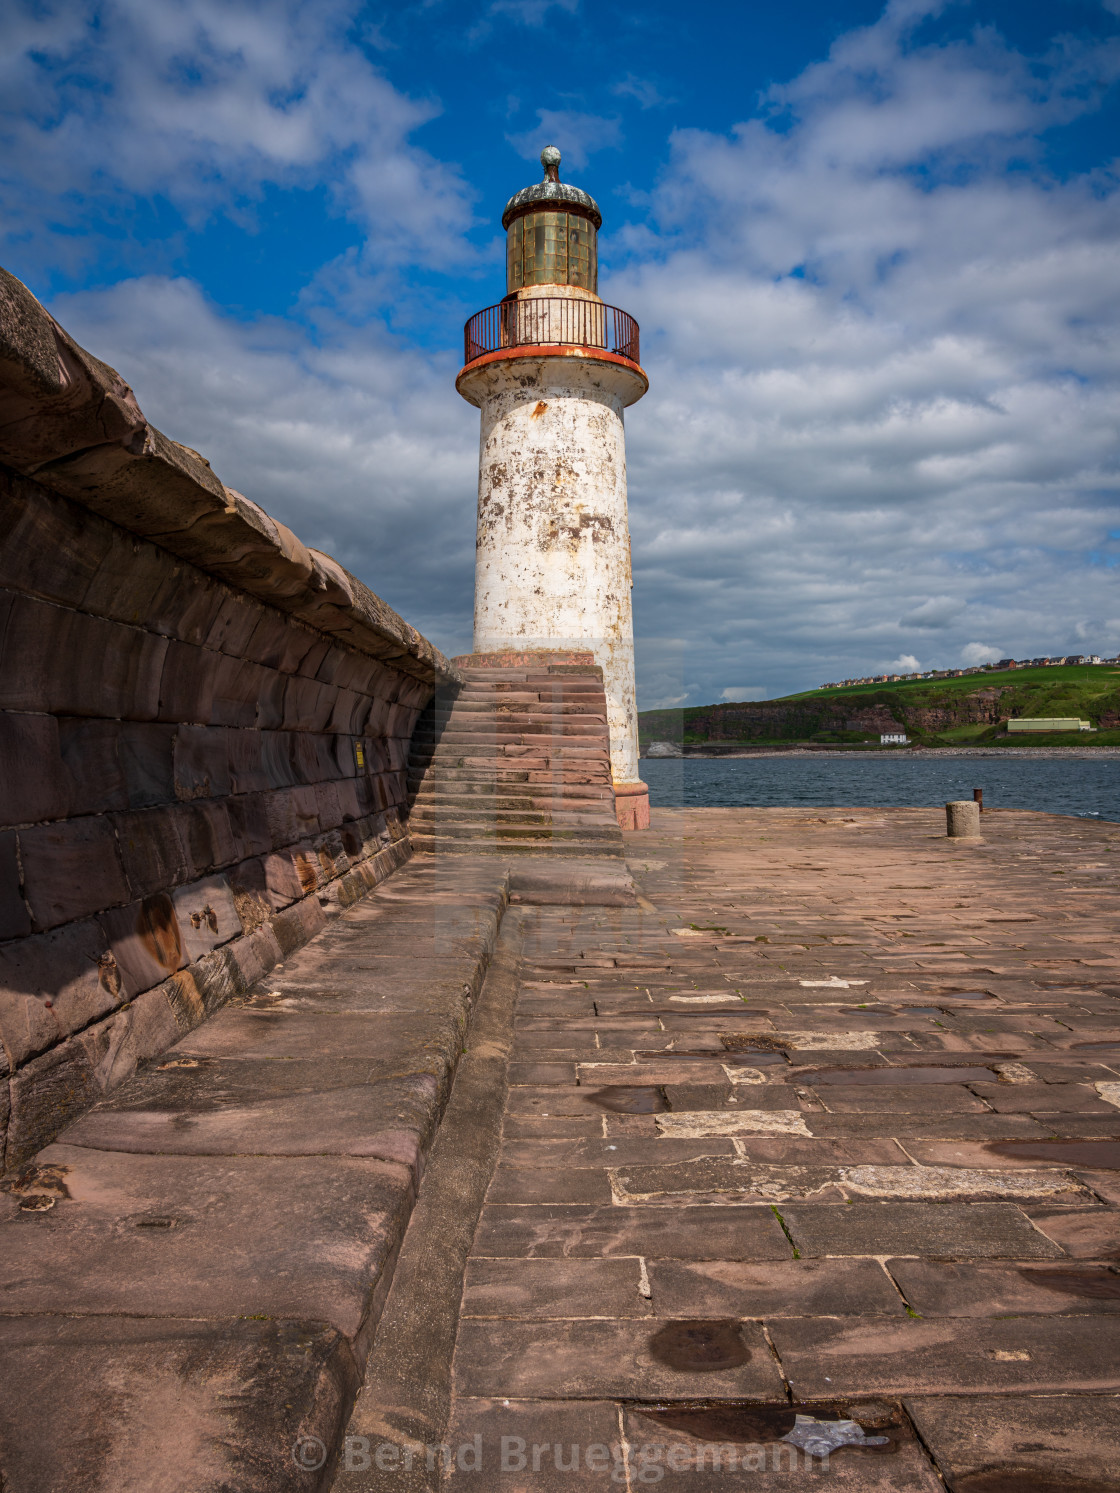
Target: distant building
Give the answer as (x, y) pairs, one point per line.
(1048, 723)
(894, 738)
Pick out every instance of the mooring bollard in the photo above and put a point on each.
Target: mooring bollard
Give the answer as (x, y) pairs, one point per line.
(962, 819)
(978, 795)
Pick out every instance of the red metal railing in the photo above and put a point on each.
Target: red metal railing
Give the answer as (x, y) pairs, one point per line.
(550, 321)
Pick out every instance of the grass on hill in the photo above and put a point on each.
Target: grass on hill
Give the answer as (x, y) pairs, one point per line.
(1084, 691)
(1089, 680)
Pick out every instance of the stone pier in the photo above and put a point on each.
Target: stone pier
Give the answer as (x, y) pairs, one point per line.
(810, 1147)
(825, 1126)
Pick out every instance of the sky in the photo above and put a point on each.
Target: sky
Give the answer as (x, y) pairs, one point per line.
(873, 250)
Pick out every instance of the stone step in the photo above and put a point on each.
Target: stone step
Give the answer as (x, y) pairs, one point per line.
(424, 816)
(525, 700)
(516, 761)
(479, 746)
(425, 844)
(576, 780)
(495, 728)
(537, 833)
(440, 796)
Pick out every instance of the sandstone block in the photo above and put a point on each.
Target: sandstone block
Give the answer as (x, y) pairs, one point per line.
(238, 686)
(278, 642)
(91, 755)
(251, 897)
(208, 836)
(33, 782)
(327, 806)
(48, 545)
(306, 806)
(314, 756)
(152, 850)
(147, 761)
(255, 955)
(345, 750)
(58, 982)
(71, 868)
(246, 768)
(15, 920)
(207, 915)
(184, 999)
(146, 942)
(270, 699)
(377, 716)
(349, 712)
(217, 978)
(347, 795)
(72, 664)
(349, 670)
(298, 924)
(201, 762)
(187, 684)
(249, 822)
(46, 1094)
(331, 853)
(276, 759)
(283, 884)
(234, 623)
(308, 705)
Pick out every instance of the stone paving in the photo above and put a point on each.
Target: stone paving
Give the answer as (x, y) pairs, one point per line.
(829, 1127)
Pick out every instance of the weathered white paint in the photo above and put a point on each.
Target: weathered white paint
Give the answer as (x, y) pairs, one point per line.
(553, 549)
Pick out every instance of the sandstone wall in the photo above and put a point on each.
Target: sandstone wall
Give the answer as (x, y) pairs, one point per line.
(204, 733)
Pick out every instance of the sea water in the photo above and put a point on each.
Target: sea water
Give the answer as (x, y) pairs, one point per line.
(1084, 786)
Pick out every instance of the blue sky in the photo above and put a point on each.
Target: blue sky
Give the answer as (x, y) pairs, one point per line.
(873, 250)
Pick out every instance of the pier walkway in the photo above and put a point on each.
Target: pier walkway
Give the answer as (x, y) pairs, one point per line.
(827, 1126)
(513, 1180)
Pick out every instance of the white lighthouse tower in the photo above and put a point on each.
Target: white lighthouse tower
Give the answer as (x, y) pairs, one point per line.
(552, 368)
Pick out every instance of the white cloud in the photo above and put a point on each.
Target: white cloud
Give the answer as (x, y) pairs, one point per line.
(644, 92)
(936, 612)
(741, 692)
(884, 369)
(361, 444)
(980, 653)
(884, 364)
(905, 664)
(530, 12)
(578, 135)
(203, 103)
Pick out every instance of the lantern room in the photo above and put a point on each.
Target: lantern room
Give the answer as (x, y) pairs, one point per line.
(552, 233)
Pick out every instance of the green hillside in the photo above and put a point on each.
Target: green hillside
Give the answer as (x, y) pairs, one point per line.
(967, 711)
(1082, 681)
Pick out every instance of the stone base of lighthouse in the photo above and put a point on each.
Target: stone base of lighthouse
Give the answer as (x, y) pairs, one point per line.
(553, 552)
(631, 799)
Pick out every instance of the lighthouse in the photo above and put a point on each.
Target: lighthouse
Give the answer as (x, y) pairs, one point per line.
(552, 367)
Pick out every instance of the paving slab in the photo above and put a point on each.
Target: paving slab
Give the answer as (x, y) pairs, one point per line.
(698, 1233)
(950, 1230)
(979, 1355)
(941, 1288)
(786, 1288)
(133, 1404)
(615, 1359)
(1022, 1443)
(230, 1236)
(712, 1448)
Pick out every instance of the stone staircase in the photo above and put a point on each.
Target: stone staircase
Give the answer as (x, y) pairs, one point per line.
(515, 761)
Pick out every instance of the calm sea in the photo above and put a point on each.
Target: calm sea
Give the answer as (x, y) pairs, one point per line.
(1085, 786)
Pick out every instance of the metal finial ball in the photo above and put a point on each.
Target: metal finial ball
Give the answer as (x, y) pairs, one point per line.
(550, 156)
